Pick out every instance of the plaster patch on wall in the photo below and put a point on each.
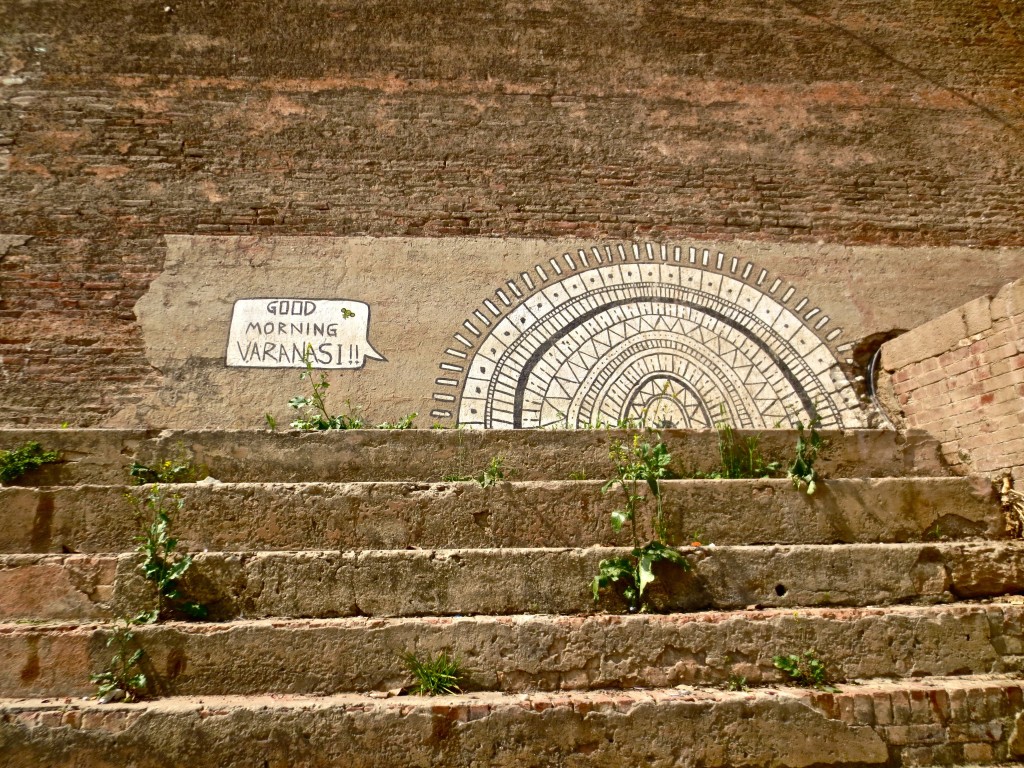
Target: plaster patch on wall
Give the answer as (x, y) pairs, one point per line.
(428, 320)
(671, 336)
(11, 241)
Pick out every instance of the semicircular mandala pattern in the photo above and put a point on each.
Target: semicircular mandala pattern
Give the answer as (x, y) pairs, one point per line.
(675, 339)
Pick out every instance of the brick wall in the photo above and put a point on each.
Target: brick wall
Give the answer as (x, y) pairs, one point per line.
(961, 378)
(120, 121)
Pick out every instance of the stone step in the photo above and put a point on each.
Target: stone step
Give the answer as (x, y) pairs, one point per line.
(103, 456)
(523, 653)
(321, 584)
(519, 514)
(927, 721)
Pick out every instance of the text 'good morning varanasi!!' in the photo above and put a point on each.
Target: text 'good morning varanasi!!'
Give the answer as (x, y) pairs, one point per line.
(280, 333)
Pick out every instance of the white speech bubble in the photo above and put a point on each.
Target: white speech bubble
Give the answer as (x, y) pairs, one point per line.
(275, 333)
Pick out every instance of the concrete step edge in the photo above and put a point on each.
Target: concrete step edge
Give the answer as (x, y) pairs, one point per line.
(510, 581)
(395, 515)
(950, 721)
(427, 454)
(524, 653)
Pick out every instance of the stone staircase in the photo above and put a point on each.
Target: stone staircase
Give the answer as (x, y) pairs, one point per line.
(324, 557)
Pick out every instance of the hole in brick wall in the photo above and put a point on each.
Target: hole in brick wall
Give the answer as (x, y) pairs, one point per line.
(858, 372)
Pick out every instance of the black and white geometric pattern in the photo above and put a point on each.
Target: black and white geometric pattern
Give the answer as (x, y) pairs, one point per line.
(642, 331)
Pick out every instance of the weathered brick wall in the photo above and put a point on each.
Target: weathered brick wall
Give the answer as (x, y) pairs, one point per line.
(961, 377)
(120, 121)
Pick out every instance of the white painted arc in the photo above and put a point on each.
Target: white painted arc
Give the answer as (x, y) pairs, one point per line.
(634, 282)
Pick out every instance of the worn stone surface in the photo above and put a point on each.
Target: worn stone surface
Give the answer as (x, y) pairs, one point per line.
(879, 724)
(512, 581)
(56, 587)
(266, 516)
(103, 456)
(524, 653)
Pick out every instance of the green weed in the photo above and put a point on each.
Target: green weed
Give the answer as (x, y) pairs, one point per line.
(17, 461)
(739, 457)
(312, 408)
(806, 670)
(438, 676)
(490, 475)
(736, 683)
(178, 469)
(123, 678)
(802, 472)
(406, 422)
(638, 466)
(162, 564)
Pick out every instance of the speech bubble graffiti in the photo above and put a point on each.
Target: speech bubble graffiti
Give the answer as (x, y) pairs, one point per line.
(276, 333)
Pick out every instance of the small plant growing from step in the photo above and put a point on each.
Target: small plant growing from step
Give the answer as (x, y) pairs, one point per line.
(162, 564)
(17, 461)
(808, 444)
(638, 465)
(805, 670)
(438, 676)
(177, 469)
(123, 678)
(312, 408)
(736, 683)
(489, 476)
(492, 474)
(740, 458)
(406, 422)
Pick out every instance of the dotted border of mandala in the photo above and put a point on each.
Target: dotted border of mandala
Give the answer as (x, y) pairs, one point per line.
(511, 294)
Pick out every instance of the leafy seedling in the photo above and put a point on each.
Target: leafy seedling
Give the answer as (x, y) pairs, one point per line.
(802, 472)
(162, 564)
(639, 469)
(178, 469)
(312, 408)
(736, 683)
(492, 473)
(438, 676)
(17, 461)
(634, 572)
(805, 670)
(123, 678)
(406, 422)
